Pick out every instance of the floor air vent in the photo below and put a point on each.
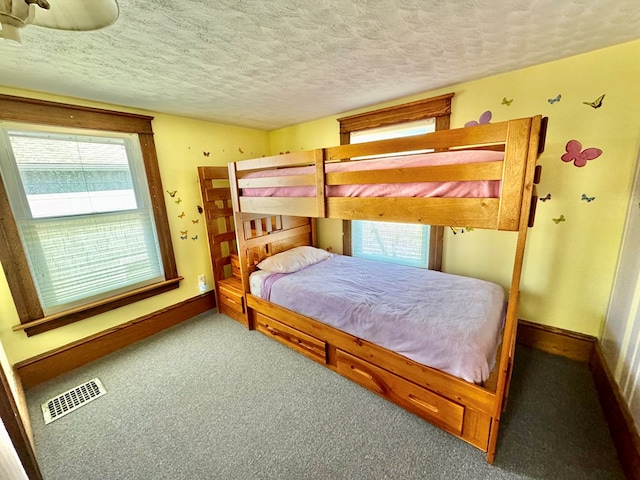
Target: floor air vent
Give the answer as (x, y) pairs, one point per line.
(71, 400)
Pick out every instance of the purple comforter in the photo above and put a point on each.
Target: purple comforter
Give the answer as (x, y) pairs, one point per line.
(444, 321)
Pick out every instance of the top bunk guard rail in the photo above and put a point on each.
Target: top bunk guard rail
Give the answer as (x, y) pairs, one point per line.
(521, 140)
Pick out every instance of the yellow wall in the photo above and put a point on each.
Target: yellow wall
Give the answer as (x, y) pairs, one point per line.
(180, 143)
(569, 266)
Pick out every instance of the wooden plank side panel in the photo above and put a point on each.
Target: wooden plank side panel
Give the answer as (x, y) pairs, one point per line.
(294, 206)
(278, 181)
(438, 173)
(455, 212)
(278, 161)
(461, 137)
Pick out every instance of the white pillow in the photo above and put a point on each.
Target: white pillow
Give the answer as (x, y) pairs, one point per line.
(293, 260)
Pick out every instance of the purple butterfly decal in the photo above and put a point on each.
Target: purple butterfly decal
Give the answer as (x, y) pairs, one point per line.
(578, 156)
(484, 119)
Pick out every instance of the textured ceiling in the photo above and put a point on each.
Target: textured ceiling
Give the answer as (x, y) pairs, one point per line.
(267, 64)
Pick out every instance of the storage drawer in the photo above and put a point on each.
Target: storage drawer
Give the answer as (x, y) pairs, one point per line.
(295, 339)
(231, 298)
(424, 403)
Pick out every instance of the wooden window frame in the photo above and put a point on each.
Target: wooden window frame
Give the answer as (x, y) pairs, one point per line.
(12, 254)
(435, 107)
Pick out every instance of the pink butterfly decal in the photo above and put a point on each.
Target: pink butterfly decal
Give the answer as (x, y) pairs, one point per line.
(578, 156)
(484, 119)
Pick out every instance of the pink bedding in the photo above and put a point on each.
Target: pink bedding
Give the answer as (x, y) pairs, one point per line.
(471, 189)
(449, 322)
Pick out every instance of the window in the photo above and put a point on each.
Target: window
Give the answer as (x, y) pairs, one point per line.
(82, 216)
(83, 211)
(406, 244)
(409, 244)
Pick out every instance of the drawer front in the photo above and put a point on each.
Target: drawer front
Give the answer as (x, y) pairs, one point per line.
(295, 339)
(424, 403)
(232, 299)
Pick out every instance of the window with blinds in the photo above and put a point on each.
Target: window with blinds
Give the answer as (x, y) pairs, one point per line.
(83, 211)
(406, 244)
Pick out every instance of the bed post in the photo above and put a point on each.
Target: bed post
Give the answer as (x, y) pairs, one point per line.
(508, 347)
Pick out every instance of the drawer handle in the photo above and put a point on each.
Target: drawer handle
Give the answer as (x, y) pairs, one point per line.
(362, 372)
(379, 386)
(424, 404)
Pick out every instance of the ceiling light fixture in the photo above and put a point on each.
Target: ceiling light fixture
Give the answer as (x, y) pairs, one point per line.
(77, 15)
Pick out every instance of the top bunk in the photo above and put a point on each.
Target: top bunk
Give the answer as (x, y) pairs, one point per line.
(480, 177)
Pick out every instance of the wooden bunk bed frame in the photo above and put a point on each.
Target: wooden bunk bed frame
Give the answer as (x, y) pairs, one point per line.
(269, 225)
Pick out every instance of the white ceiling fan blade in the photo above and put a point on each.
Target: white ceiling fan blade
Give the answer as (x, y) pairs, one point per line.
(77, 14)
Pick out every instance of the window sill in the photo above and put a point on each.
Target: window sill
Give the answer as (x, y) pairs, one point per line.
(51, 322)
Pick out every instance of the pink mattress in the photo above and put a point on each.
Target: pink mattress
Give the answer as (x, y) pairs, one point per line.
(461, 189)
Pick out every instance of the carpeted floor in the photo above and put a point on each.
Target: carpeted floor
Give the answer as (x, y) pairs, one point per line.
(208, 399)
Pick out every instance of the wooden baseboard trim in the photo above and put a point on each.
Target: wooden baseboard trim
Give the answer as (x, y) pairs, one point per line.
(64, 359)
(557, 341)
(621, 426)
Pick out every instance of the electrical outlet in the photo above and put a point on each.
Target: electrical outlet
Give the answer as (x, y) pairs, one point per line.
(202, 282)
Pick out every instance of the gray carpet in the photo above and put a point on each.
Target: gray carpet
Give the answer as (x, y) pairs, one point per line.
(208, 399)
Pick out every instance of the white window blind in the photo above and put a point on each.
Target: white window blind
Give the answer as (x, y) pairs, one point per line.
(406, 244)
(82, 207)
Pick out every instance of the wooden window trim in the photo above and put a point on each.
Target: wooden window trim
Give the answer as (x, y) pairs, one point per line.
(12, 255)
(438, 107)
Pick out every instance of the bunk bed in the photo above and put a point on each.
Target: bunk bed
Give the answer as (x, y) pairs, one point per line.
(277, 199)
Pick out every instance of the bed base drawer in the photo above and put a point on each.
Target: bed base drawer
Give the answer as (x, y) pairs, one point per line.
(428, 405)
(232, 299)
(295, 339)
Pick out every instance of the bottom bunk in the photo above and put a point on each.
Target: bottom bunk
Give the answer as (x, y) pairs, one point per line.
(461, 408)
(468, 410)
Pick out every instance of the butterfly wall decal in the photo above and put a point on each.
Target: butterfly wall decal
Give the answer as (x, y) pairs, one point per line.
(178, 201)
(578, 156)
(597, 103)
(183, 237)
(206, 154)
(546, 197)
(483, 120)
(194, 237)
(197, 220)
(181, 215)
(506, 102)
(559, 219)
(587, 199)
(554, 100)
(240, 150)
(457, 230)
(172, 194)
(200, 209)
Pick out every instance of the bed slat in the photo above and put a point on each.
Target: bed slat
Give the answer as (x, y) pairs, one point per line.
(439, 173)
(441, 140)
(476, 212)
(296, 206)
